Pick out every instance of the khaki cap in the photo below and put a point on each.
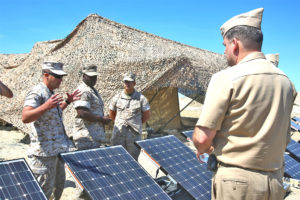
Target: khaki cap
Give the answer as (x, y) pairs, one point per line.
(90, 70)
(129, 77)
(273, 58)
(54, 67)
(251, 18)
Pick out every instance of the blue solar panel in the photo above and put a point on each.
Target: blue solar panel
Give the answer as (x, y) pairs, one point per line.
(180, 163)
(111, 173)
(188, 134)
(297, 119)
(18, 182)
(295, 126)
(294, 148)
(292, 167)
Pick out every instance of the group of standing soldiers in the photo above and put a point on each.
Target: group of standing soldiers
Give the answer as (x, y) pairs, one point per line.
(43, 108)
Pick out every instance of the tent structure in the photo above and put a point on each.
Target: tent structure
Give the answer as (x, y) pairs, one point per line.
(163, 67)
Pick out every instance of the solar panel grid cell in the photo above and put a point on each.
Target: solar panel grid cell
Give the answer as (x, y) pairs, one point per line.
(112, 174)
(180, 163)
(18, 182)
(294, 148)
(292, 167)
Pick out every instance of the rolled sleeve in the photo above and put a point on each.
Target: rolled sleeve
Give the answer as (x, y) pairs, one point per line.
(112, 105)
(83, 101)
(32, 99)
(216, 102)
(145, 104)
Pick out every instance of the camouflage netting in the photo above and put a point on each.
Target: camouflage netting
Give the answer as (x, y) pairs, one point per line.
(115, 49)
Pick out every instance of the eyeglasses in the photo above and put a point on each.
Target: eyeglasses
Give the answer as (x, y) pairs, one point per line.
(56, 75)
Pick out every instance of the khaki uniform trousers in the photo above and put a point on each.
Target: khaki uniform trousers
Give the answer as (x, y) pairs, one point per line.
(50, 174)
(126, 137)
(233, 183)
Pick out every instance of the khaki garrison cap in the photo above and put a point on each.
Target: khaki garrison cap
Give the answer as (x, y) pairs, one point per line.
(273, 58)
(251, 18)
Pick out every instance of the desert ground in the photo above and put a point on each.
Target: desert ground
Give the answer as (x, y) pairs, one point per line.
(12, 148)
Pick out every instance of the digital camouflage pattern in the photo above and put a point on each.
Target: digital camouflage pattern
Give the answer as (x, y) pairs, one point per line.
(48, 136)
(88, 134)
(129, 110)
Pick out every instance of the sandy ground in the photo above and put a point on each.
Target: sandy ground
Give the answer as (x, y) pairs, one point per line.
(11, 148)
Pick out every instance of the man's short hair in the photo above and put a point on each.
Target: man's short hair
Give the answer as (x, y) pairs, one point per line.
(250, 37)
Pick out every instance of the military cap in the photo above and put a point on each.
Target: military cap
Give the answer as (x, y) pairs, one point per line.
(273, 58)
(129, 77)
(54, 67)
(252, 18)
(90, 70)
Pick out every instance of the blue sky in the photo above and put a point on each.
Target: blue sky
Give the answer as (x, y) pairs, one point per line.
(192, 22)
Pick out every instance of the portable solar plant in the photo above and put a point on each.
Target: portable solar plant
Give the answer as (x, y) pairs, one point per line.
(112, 173)
(17, 181)
(180, 162)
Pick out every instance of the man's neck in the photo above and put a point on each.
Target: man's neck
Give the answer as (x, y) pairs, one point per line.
(129, 92)
(244, 54)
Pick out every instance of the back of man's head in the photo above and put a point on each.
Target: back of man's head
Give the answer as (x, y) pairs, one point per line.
(250, 37)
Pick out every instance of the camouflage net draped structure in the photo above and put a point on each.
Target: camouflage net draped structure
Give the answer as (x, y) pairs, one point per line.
(160, 64)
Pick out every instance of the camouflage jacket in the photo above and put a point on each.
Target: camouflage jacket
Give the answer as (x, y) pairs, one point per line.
(129, 110)
(48, 136)
(83, 129)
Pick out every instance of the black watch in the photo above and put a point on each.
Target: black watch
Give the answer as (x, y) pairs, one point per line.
(68, 102)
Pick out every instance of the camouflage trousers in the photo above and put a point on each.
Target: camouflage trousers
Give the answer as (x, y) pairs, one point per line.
(50, 174)
(126, 137)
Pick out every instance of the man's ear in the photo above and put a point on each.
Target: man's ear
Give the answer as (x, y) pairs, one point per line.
(236, 46)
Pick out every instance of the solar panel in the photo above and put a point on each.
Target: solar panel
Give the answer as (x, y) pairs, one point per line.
(180, 162)
(188, 134)
(18, 182)
(295, 126)
(292, 167)
(297, 119)
(294, 148)
(111, 173)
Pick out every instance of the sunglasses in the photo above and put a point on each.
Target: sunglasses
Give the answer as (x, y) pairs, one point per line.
(56, 75)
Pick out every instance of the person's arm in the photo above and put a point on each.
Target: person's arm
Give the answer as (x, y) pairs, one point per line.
(86, 114)
(30, 114)
(71, 97)
(5, 91)
(145, 116)
(203, 139)
(112, 114)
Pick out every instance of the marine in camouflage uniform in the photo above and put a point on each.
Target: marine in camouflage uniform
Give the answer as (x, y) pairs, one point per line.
(43, 109)
(88, 131)
(129, 109)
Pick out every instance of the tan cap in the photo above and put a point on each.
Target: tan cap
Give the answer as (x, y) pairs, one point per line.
(274, 58)
(90, 70)
(54, 67)
(129, 77)
(251, 18)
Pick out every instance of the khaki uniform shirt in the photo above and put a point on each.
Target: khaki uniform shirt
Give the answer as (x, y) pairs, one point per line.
(249, 105)
(48, 136)
(129, 110)
(83, 129)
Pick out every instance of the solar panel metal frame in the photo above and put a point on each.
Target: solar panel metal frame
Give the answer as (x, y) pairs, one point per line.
(18, 182)
(188, 177)
(295, 126)
(108, 173)
(297, 119)
(291, 167)
(188, 134)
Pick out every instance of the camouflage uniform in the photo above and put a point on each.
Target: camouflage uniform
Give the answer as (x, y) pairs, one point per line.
(48, 139)
(88, 134)
(128, 122)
